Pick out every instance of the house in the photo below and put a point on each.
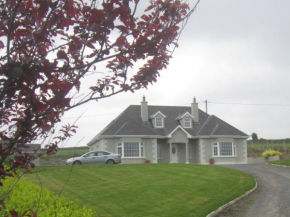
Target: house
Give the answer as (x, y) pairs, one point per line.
(171, 134)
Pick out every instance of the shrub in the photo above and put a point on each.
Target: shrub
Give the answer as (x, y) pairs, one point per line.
(27, 195)
(266, 154)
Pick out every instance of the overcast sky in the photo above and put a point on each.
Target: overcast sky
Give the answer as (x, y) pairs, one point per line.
(229, 52)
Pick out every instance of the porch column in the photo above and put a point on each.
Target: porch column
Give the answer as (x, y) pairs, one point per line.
(186, 153)
(170, 152)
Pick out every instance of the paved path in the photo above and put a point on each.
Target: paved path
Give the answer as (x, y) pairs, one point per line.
(272, 197)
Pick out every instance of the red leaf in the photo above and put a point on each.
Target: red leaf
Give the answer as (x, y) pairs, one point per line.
(122, 29)
(1, 45)
(120, 41)
(61, 55)
(13, 213)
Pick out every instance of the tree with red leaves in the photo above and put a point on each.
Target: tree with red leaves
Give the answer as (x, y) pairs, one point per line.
(47, 47)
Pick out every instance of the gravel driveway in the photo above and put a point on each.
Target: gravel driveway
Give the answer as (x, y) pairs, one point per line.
(272, 197)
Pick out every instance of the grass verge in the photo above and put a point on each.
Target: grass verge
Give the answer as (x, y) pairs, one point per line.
(285, 162)
(153, 190)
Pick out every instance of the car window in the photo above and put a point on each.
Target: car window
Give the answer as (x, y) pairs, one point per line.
(89, 155)
(100, 153)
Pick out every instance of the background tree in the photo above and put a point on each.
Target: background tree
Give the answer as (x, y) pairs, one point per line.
(255, 137)
(48, 46)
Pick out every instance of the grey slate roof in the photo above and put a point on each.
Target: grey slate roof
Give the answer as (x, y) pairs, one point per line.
(129, 123)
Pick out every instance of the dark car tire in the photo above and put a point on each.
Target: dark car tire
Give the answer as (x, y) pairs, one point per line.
(110, 161)
(77, 163)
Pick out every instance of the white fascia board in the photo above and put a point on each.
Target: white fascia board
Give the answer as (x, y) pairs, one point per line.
(168, 137)
(179, 127)
(134, 136)
(159, 112)
(228, 136)
(186, 113)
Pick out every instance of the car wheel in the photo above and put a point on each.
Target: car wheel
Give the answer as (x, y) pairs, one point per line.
(110, 161)
(77, 163)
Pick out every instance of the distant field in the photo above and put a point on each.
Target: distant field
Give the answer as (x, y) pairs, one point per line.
(143, 190)
(69, 152)
(268, 145)
(255, 149)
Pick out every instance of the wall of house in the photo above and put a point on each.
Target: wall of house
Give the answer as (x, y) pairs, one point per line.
(178, 137)
(96, 146)
(206, 151)
(181, 152)
(165, 158)
(150, 148)
(197, 151)
(194, 152)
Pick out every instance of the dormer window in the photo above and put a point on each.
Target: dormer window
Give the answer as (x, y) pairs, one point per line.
(187, 122)
(158, 119)
(158, 122)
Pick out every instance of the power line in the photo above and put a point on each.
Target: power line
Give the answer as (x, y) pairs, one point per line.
(89, 116)
(251, 104)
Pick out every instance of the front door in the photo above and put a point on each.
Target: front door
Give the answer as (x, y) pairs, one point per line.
(174, 153)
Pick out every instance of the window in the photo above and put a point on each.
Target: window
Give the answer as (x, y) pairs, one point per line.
(142, 150)
(187, 123)
(215, 149)
(189, 151)
(159, 151)
(226, 149)
(158, 122)
(131, 149)
(120, 149)
(223, 149)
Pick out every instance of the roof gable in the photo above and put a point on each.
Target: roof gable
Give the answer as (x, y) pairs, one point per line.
(157, 113)
(180, 128)
(185, 114)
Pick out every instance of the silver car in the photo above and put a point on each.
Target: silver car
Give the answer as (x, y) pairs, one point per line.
(96, 157)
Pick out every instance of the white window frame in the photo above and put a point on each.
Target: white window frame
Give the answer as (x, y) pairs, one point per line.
(159, 153)
(217, 146)
(189, 151)
(159, 120)
(141, 150)
(120, 146)
(187, 120)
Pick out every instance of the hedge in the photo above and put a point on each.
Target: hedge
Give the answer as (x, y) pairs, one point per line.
(26, 195)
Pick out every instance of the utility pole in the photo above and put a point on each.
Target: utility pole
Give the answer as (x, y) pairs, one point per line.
(206, 106)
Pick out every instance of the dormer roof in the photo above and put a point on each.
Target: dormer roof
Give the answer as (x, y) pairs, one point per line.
(157, 113)
(185, 114)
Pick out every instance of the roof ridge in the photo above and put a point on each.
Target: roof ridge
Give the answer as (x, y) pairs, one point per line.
(216, 127)
(204, 124)
(120, 128)
(228, 126)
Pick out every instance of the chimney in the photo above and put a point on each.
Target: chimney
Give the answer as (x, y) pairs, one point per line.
(194, 111)
(144, 110)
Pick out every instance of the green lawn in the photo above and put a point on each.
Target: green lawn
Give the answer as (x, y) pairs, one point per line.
(285, 162)
(151, 190)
